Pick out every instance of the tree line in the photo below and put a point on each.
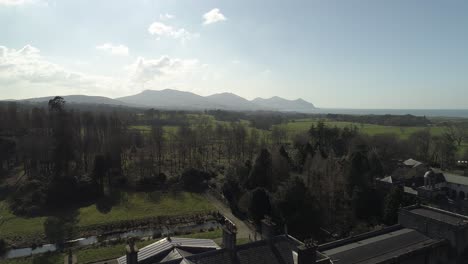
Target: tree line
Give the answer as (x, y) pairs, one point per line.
(315, 182)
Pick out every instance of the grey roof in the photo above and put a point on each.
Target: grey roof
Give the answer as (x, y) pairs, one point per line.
(412, 163)
(379, 248)
(387, 179)
(176, 253)
(410, 190)
(212, 257)
(440, 215)
(278, 250)
(456, 179)
(261, 253)
(173, 248)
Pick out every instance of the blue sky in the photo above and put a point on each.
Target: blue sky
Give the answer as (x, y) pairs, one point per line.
(342, 54)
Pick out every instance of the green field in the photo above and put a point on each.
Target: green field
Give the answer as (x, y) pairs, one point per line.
(134, 206)
(302, 125)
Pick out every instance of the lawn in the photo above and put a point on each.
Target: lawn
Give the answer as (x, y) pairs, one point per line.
(301, 125)
(133, 206)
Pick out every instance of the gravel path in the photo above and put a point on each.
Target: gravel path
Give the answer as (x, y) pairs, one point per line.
(243, 230)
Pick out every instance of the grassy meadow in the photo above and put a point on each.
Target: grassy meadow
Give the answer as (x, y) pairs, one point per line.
(302, 125)
(133, 206)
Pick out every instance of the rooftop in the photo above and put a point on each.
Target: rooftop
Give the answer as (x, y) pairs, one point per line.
(410, 190)
(412, 163)
(376, 249)
(278, 250)
(439, 215)
(456, 179)
(173, 249)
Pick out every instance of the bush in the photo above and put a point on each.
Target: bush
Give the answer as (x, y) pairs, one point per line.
(29, 199)
(153, 182)
(194, 180)
(3, 247)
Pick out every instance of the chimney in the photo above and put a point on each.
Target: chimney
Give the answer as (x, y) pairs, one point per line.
(229, 235)
(132, 252)
(306, 253)
(268, 228)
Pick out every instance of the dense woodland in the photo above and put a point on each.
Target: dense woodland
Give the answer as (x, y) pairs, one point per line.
(320, 183)
(385, 120)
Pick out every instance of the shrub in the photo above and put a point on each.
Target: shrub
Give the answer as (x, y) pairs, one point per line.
(194, 180)
(3, 247)
(29, 199)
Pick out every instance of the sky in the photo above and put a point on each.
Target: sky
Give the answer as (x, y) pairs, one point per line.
(399, 54)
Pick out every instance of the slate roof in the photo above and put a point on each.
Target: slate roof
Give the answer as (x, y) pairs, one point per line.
(377, 249)
(440, 215)
(456, 179)
(278, 250)
(169, 249)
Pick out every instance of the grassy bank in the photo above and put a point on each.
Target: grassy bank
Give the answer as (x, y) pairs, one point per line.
(133, 206)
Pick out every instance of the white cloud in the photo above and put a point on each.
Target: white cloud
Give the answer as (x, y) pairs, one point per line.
(164, 17)
(119, 50)
(26, 68)
(162, 30)
(17, 2)
(161, 69)
(27, 73)
(213, 16)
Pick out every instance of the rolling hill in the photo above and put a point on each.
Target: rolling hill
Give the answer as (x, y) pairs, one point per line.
(78, 99)
(284, 105)
(180, 100)
(174, 99)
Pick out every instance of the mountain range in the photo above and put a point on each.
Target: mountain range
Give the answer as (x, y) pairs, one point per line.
(180, 100)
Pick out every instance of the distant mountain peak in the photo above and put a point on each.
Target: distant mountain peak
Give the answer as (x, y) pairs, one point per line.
(184, 100)
(281, 104)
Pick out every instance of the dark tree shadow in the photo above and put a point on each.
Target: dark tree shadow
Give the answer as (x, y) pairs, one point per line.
(105, 203)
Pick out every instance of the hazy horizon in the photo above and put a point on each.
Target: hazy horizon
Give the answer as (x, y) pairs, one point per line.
(435, 112)
(347, 55)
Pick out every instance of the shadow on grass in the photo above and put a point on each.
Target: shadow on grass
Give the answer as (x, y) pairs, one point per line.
(116, 197)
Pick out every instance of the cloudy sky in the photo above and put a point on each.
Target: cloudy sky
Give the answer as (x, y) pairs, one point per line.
(345, 54)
